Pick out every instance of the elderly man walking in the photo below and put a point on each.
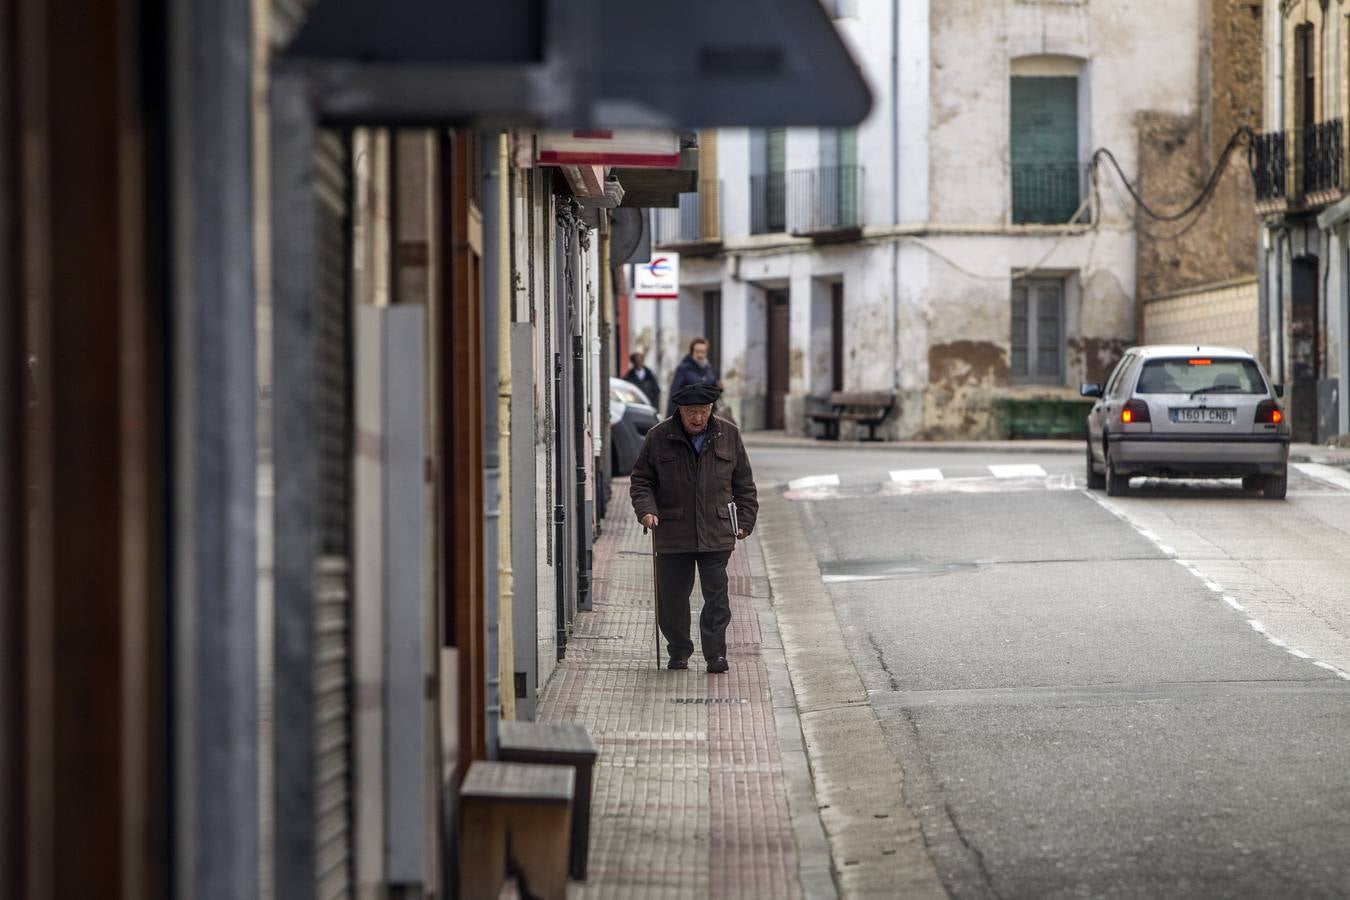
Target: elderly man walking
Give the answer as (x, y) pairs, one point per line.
(693, 486)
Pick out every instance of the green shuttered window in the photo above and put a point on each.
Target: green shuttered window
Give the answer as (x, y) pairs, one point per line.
(1047, 180)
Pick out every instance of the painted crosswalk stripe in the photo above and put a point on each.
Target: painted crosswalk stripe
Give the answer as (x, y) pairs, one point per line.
(1018, 471)
(813, 481)
(916, 475)
(1322, 472)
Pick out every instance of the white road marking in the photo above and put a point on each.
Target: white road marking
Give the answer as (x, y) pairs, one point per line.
(814, 481)
(1255, 624)
(916, 475)
(1017, 471)
(1330, 474)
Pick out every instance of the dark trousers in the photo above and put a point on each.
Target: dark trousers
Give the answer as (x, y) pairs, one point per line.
(674, 582)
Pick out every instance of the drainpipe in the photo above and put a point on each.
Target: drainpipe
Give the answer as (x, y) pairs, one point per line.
(895, 194)
(1279, 305)
(1279, 74)
(582, 522)
(492, 464)
(505, 575)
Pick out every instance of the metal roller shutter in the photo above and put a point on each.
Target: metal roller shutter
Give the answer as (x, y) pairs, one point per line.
(333, 595)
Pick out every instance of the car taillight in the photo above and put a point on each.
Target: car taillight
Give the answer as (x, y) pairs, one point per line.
(1135, 411)
(1268, 412)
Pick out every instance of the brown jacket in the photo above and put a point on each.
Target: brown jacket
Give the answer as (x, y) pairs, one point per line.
(690, 495)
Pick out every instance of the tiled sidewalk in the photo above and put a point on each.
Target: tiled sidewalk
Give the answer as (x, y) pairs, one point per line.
(691, 795)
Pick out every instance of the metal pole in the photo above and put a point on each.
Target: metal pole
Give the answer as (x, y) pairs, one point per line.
(656, 598)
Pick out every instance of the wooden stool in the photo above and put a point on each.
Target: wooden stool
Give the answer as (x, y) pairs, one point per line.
(566, 744)
(519, 815)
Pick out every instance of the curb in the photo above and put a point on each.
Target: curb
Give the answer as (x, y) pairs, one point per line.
(760, 441)
(876, 844)
(815, 867)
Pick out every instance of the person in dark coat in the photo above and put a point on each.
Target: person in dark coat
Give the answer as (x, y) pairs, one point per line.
(693, 369)
(644, 378)
(691, 468)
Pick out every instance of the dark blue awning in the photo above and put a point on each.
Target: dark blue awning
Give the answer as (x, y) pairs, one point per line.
(579, 63)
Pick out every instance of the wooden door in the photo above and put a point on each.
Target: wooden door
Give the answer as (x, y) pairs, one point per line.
(777, 358)
(837, 336)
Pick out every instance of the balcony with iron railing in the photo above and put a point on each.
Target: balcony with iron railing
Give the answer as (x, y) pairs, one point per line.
(768, 203)
(1322, 157)
(1268, 157)
(697, 220)
(1049, 193)
(1301, 168)
(826, 200)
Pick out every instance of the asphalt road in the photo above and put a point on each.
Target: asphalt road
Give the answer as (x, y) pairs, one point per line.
(1140, 697)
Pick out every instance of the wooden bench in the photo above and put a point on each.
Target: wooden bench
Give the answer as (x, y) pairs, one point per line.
(564, 744)
(868, 408)
(516, 821)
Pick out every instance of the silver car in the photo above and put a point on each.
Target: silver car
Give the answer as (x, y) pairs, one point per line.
(1188, 412)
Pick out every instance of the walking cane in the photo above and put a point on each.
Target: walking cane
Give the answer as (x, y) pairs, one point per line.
(656, 597)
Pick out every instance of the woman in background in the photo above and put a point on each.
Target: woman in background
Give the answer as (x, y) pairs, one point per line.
(693, 369)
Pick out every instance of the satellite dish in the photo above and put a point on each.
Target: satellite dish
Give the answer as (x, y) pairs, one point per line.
(629, 240)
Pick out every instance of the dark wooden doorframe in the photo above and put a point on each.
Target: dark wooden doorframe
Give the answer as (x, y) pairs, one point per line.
(777, 349)
(461, 485)
(89, 572)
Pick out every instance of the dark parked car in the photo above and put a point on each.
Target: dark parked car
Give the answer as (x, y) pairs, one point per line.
(630, 418)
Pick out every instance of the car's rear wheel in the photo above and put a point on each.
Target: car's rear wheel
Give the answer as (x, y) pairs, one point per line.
(1095, 480)
(1116, 484)
(1252, 482)
(1275, 486)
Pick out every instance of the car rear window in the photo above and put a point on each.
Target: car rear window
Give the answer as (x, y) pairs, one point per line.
(1188, 375)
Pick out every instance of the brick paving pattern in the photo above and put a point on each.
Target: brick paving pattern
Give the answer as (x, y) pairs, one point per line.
(690, 795)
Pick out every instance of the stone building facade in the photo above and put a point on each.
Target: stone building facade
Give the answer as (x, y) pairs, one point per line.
(1195, 261)
(1301, 197)
(955, 250)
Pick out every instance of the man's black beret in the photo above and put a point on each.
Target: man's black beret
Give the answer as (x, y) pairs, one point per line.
(696, 395)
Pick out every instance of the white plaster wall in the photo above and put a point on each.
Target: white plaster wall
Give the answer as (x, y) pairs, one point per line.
(868, 37)
(733, 168)
(915, 110)
(1118, 44)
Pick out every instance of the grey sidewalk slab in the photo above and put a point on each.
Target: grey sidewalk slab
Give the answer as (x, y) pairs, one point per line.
(701, 787)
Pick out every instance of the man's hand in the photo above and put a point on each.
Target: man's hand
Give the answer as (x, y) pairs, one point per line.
(650, 521)
(740, 534)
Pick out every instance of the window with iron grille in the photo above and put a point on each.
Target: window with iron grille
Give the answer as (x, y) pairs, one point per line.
(1038, 331)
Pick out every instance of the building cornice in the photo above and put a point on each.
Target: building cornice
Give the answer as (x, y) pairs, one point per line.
(765, 244)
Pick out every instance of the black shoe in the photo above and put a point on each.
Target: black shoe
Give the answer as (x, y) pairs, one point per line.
(678, 663)
(717, 666)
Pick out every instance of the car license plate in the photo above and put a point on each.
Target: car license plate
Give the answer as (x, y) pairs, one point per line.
(1202, 416)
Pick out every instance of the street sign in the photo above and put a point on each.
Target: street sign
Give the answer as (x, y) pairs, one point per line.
(658, 279)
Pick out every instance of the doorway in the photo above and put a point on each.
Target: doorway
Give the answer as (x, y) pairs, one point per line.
(837, 336)
(712, 327)
(778, 368)
(1303, 349)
